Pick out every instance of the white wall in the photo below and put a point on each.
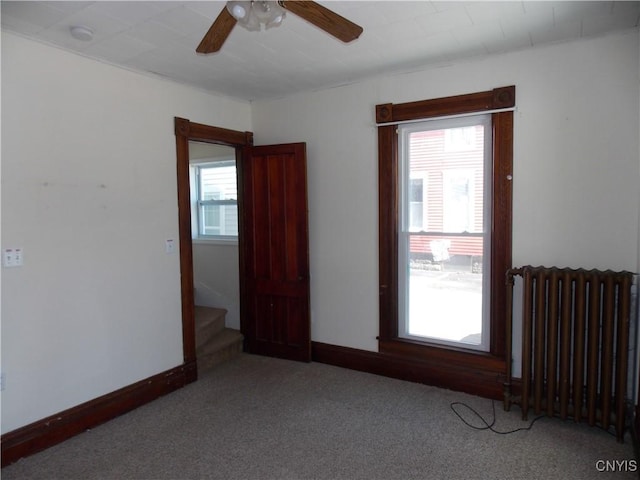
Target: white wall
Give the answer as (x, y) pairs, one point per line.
(576, 178)
(216, 277)
(89, 192)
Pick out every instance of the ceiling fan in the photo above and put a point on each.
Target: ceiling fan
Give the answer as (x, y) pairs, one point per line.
(253, 14)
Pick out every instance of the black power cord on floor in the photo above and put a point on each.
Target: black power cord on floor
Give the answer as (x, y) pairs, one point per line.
(487, 425)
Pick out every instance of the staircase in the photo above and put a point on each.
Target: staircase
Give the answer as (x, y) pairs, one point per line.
(214, 342)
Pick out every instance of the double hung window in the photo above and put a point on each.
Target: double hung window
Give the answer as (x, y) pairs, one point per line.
(217, 199)
(445, 171)
(444, 186)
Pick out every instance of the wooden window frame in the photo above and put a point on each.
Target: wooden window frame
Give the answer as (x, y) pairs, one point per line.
(453, 362)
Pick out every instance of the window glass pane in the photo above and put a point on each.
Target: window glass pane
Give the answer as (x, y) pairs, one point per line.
(218, 182)
(415, 193)
(458, 199)
(217, 199)
(416, 204)
(230, 226)
(445, 295)
(458, 139)
(442, 246)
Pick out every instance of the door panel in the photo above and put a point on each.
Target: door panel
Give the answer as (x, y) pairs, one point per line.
(275, 251)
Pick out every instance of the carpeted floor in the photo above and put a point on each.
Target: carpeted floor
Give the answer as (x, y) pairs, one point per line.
(264, 418)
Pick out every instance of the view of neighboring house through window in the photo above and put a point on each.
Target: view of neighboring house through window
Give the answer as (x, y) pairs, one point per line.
(445, 167)
(217, 199)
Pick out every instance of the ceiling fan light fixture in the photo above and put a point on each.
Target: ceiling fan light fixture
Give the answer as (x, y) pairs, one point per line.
(252, 15)
(239, 10)
(275, 21)
(255, 15)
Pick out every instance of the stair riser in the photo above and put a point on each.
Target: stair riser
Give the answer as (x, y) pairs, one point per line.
(202, 340)
(219, 341)
(209, 361)
(209, 319)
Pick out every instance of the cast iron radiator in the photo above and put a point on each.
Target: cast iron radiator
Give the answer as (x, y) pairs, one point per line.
(575, 342)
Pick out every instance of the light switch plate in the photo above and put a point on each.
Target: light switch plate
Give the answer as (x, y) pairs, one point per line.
(12, 257)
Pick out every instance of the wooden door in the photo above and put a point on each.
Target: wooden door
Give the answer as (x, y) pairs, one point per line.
(275, 251)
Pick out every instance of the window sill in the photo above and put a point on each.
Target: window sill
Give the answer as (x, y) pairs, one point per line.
(233, 242)
(446, 356)
(448, 344)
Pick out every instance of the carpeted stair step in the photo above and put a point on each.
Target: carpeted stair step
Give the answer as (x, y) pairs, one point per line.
(209, 322)
(221, 347)
(214, 343)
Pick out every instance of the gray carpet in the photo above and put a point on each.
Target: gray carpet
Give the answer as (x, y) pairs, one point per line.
(264, 418)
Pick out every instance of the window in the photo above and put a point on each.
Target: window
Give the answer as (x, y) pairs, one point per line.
(444, 173)
(217, 199)
(440, 292)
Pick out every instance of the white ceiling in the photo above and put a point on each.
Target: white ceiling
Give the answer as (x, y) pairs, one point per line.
(161, 37)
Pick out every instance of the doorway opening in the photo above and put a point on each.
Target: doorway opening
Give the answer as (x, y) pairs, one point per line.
(213, 184)
(273, 243)
(188, 134)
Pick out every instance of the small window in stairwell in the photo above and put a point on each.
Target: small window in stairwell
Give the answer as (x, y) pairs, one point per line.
(217, 199)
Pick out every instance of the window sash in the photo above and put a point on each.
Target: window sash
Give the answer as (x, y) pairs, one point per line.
(406, 224)
(223, 222)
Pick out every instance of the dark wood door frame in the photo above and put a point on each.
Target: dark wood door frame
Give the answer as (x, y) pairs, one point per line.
(187, 131)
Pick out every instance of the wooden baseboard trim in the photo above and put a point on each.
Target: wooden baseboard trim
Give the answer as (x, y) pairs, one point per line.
(484, 383)
(52, 430)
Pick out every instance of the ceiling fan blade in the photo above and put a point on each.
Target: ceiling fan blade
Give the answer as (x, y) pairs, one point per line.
(218, 33)
(323, 18)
